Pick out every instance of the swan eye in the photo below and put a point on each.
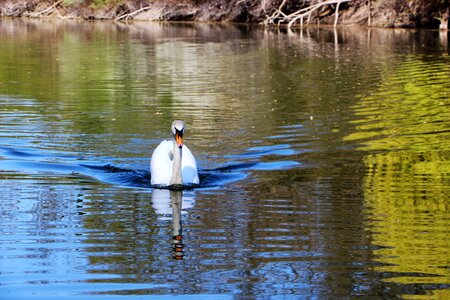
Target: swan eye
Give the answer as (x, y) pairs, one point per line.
(171, 155)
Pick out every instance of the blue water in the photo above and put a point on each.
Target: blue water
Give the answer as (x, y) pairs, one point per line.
(24, 160)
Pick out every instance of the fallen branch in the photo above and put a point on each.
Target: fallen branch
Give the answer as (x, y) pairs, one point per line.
(126, 16)
(275, 14)
(336, 14)
(302, 13)
(40, 13)
(444, 20)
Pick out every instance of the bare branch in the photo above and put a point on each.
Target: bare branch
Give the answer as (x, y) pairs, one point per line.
(45, 11)
(302, 13)
(127, 16)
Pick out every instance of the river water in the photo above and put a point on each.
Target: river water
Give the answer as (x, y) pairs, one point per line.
(324, 161)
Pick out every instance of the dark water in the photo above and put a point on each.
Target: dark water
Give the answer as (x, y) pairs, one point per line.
(324, 162)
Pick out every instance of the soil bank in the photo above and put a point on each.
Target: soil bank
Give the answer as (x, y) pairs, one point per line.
(378, 13)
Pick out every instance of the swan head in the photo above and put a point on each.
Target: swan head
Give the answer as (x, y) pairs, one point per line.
(178, 131)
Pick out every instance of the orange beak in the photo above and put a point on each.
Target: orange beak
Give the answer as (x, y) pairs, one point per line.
(179, 139)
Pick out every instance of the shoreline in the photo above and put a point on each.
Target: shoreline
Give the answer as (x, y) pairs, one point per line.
(338, 12)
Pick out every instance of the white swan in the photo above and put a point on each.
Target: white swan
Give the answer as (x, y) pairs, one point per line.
(172, 162)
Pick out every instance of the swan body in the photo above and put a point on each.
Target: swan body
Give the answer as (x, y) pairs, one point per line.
(172, 162)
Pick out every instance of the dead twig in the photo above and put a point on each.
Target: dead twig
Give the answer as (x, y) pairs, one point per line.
(276, 14)
(127, 16)
(302, 13)
(45, 11)
(336, 14)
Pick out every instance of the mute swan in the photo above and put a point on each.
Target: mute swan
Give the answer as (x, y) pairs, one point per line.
(172, 163)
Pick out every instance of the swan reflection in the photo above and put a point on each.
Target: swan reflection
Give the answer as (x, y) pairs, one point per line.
(176, 201)
(166, 202)
(161, 201)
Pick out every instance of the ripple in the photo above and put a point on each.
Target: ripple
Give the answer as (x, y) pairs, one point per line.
(35, 163)
(408, 111)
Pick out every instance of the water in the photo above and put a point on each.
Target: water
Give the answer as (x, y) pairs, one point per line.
(324, 162)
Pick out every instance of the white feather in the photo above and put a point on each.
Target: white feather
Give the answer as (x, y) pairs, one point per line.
(161, 165)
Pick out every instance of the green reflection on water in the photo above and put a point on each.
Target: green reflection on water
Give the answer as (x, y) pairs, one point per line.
(408, 111)
(404, 130)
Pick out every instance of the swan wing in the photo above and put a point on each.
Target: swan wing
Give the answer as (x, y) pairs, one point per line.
(189, 167)
(161, 163)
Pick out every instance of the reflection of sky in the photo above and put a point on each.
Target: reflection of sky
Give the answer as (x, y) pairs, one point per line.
(40, 236)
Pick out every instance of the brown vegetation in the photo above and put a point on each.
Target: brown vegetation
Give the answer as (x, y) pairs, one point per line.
(383, 13)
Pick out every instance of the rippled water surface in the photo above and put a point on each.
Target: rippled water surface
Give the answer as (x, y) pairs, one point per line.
(324, 161)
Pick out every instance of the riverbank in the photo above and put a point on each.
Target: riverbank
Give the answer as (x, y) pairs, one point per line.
(381, 13)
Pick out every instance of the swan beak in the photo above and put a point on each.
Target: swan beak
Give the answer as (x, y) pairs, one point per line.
(179, 139)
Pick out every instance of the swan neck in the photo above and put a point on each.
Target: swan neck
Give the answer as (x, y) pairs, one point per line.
(176, 171)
